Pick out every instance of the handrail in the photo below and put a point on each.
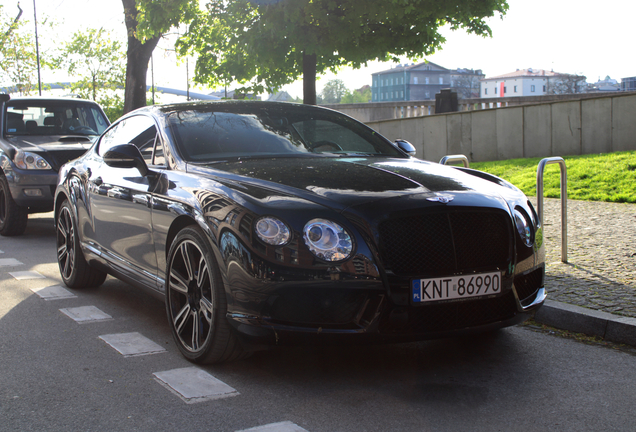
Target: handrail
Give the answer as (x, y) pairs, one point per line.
(455, 158)
(564, 200)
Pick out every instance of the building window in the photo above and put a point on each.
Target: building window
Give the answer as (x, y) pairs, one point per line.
(495, 90)
(532, 88)
(485, 91)
(544, 88)
(441, 80)
(515, 89)
(426, 79)
(414, 80)
(505, 90)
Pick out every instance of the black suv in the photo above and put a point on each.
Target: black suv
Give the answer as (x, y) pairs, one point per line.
(37, 136)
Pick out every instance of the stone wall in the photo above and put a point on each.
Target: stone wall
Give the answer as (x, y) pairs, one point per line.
(567, 126)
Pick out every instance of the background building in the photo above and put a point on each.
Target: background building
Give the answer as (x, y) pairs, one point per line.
(532, 82)
(628, 84)
(423, 81)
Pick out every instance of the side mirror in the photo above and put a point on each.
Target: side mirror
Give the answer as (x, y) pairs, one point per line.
(5, 97)
(126, 156)
(405, 146)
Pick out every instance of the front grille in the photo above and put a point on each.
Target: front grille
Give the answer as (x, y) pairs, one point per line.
(452, 316)
(317, 307)
(528, 284)
(444, 243)
(63, 156)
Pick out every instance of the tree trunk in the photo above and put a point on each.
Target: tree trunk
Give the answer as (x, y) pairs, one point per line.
(137, 58)
(309, 79)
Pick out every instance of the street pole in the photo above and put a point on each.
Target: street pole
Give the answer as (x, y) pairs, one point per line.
(37, 48)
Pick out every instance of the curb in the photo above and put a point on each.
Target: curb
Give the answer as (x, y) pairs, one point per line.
(612, 328)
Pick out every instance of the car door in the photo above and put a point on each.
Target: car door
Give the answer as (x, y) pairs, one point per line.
(120, 204)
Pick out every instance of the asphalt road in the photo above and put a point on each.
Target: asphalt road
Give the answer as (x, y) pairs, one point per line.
(58, 375)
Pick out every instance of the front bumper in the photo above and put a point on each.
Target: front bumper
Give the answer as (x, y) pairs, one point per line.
(360, 316)
(32, 188)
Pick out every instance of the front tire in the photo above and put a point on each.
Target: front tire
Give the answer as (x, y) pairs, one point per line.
(75, 271)
(195, 301)
(13, 218)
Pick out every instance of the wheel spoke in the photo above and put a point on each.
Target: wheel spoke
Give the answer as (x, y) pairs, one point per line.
(195, 330)
(182, 318)
(178, 283)
(207, 309)
(203, 273)
(185, 254)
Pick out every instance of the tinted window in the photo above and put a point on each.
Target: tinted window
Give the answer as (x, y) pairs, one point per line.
(221, 131)
(137, 130)
(42, 117)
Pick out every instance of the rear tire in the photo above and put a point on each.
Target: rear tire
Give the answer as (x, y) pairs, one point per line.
(75, 271)
(195, 301)
(13, 218)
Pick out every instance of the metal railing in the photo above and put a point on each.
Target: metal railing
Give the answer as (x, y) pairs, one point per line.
(564, 200)
(455, 158)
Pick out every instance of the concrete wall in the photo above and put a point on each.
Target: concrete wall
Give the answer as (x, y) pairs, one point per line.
(591, 124)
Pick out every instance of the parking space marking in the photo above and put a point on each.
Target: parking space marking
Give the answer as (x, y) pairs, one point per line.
(9, 262)
(24, 275)
(54, 292)
(285, 426)
(132, 344)
(86, 314)
(194, 385)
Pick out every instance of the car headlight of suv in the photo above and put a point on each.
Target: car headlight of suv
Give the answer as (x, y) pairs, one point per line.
(524, 227)
(327, 240)
(30, 161)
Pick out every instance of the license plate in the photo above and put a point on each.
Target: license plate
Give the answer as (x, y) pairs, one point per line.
(456, 287)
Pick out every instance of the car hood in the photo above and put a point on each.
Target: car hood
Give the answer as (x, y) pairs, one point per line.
(51, 143)
(351, 181)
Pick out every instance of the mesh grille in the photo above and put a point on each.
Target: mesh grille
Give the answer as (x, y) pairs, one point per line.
(317, 307)
(528, 284)
(61, 157)
(444, 243)
(454, 315)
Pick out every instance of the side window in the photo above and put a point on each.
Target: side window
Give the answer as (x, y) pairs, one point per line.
(137, 130)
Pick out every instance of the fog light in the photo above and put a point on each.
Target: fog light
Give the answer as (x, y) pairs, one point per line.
(33, 192)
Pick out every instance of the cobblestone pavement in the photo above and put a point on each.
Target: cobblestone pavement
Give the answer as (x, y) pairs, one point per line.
(601, 269)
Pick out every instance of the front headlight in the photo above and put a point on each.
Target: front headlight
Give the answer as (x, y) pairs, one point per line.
(31, 161)
(524, 227)
(272, 231)
(327, 240)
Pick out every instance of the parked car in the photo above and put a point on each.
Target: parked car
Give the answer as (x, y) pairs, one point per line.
(37, 136)
(266, 223)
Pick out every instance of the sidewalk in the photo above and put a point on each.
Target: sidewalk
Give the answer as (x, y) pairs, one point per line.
(599, 278)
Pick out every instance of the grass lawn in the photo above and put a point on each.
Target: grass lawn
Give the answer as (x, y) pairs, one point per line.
(601, 177)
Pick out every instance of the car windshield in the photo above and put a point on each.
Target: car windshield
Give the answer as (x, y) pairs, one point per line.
(54, 118)
(211, 132)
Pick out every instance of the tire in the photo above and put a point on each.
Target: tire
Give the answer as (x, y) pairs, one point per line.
(13, 218)
(75, 271)
(195, 301)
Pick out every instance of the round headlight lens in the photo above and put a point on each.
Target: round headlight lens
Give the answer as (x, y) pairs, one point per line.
(272, 231)
(327, 240)
(524, 227)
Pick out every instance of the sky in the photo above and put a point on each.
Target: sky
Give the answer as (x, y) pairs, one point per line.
(585, 37)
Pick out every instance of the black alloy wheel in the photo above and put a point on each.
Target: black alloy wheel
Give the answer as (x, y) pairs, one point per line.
(75, 271)
(196, 303)
(13, 218)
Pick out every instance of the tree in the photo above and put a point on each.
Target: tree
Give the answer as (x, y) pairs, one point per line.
(361, 95)
(333, 91)
(146, 22)
(561, 83)
(94, 59)
(264, 44)
(18, 58)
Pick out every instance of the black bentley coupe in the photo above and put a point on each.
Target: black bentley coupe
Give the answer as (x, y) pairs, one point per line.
(266, 223)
